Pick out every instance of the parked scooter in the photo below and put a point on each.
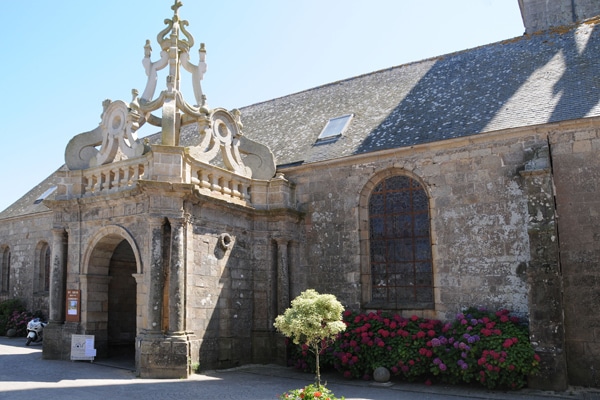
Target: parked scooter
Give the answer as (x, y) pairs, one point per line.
(35, 330)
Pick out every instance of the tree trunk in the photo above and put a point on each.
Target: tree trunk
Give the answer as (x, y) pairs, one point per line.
(318, 367)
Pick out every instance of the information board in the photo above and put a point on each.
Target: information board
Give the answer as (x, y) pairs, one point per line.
(82, 347)
(73, 305)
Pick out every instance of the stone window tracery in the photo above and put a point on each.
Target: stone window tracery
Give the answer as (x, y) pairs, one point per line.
(400, 257)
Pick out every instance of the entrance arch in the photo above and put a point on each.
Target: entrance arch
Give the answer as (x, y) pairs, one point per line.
(109, 292)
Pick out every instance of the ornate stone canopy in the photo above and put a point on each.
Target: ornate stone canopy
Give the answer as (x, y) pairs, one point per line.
(219, 131)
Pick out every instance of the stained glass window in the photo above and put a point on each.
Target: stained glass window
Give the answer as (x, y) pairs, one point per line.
(400, 245)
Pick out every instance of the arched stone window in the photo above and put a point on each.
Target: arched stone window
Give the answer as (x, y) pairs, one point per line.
(4, 269)
(42, 267)
(397, 243)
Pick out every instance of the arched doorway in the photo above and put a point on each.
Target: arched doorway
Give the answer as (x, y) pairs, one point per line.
(121, 327)
(109, 293)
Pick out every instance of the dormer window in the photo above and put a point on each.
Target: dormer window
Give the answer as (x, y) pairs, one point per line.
(335, 127)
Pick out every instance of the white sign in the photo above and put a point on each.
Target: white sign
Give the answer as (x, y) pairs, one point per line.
(82, 347)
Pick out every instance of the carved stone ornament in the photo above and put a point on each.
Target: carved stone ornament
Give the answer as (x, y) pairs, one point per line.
(115, 135)
(220, 131)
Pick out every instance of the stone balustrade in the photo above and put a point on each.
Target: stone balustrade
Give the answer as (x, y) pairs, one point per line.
(172, 165)
(211, 180)
(114, 177)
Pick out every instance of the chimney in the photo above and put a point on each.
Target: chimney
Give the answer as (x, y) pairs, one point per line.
(541, 15)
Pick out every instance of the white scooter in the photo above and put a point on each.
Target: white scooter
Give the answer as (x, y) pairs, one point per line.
(35, 330)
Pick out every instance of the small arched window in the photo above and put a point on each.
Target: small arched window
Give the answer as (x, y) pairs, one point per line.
(47, 269)
(4, 269)
(42, 268)
(399, 239)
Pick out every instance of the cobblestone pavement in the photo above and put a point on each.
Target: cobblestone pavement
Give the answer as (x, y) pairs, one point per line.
(24, 374)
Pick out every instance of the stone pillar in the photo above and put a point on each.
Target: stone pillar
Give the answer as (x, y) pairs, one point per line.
(283, 294)
(177, 278)
(171, 355)
(57, 276)
(546, 323)
(156, 284)
(296, 279)
(283, 276)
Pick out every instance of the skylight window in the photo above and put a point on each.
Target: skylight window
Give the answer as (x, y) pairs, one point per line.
(335, 127)
(44, 195)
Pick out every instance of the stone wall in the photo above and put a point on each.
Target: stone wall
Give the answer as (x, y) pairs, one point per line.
(478, 219)
(577, 179)
(220, 286)
(22, 236)
(233, 293)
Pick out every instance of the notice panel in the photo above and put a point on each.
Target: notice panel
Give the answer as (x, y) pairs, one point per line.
(82, 347)
(73, 305)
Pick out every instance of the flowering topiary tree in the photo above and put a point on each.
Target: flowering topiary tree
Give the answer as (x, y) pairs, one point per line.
(313, 319)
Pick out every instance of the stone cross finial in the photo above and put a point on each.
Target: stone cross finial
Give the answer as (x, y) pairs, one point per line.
(175, 53)
(175, 8)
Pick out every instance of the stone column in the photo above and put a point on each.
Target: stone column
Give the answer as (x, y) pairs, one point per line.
(57, 276)
(296, 278)
(177, 278)
(283, 276)
(544, 278)
(156, 284)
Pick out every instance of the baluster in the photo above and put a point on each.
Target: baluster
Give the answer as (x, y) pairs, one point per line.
(245, 191)
(89, 184)
(95, 184)
(214, 183)
(114, 178)
(235, 192)
(204, 179)
(195, 176)
(226, 190)
(135, 174)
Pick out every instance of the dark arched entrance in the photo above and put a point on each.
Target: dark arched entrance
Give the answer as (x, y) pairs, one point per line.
(121, 326)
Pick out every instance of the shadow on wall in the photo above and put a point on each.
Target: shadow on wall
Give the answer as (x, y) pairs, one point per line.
(225, 279)
(525, 81)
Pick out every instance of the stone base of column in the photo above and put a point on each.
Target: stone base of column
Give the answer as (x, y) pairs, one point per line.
(168, 356)
(57, 340)
(553, 371)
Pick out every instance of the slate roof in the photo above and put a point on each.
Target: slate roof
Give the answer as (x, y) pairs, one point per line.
(530, 80)
(525, 81)
(27, 205)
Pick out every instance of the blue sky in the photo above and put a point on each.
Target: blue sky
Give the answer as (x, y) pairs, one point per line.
(61, 59)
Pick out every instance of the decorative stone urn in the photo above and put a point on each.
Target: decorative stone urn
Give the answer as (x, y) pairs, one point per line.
(381, 375)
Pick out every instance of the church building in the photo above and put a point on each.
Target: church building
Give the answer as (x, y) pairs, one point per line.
(468, 179)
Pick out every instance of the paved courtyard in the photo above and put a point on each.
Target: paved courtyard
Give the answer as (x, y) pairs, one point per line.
(25, 375)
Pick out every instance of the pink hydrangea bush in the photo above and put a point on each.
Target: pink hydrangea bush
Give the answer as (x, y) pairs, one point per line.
(490, 348)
